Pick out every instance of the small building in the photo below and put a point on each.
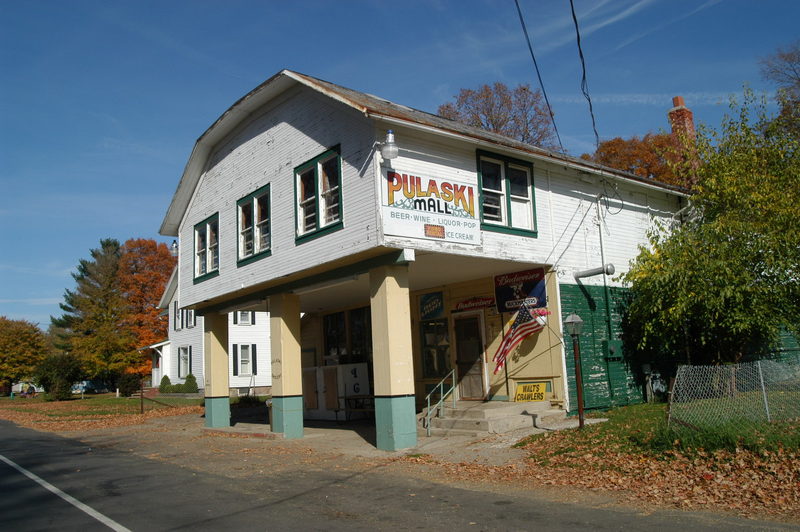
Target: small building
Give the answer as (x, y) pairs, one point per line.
(182, 354)
(392, 242)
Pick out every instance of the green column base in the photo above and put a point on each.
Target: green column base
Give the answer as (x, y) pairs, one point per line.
(395, 423)
(218, 412)
(287, 416)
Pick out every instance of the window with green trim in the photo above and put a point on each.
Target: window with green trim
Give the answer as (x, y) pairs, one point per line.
(206, 247)
(507, 201)
(253, 221)
(318, 195)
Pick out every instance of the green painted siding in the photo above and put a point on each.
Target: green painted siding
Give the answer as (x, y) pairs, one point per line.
(607, 380)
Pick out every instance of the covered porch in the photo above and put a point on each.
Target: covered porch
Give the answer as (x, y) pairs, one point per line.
(404, 318)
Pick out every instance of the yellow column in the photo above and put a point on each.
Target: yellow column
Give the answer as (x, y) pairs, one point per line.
(215, 356)
(287, 381)
(395, 413)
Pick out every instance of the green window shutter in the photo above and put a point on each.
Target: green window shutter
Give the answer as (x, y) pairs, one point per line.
(235, 360)
(253, 357)
(189, 369)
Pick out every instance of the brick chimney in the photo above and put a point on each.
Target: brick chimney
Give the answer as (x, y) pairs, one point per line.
(681, 119)
(682, 122)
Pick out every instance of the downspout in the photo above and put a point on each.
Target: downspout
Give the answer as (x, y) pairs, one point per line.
(607, 297)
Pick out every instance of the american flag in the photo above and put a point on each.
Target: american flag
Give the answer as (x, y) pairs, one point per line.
(524, 325)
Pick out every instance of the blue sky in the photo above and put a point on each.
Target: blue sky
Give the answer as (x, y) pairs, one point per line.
(102, 101)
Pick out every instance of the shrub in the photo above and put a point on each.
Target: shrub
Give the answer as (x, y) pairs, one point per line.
(190, 386)
(57, 373)
(128, 384)
(165, 384)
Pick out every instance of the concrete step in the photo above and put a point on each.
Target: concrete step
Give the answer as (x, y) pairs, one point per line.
(478, 418)
(444, 433)
(480, 410)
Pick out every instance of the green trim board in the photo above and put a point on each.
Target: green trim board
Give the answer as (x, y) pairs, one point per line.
(314, 165)
(507, 225)
(395, 422)
(252, 199)
(218, 412)
(286, 416)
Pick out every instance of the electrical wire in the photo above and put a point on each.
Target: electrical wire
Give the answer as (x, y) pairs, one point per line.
(539, 75)
(584, 83)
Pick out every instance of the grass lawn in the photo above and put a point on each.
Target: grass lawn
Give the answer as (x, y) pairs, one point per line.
(91, 411)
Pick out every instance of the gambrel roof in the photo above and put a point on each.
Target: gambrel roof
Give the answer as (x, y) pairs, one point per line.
(372, 107)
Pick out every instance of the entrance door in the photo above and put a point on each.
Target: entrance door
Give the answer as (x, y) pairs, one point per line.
(469, 356)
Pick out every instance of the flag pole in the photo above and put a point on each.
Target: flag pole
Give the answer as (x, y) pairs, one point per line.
(505, 364)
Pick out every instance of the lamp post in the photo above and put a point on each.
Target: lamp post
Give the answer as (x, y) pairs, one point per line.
(573, 325)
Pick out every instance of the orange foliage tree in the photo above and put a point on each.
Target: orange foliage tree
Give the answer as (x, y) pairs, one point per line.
(145, 267)
(654, 156)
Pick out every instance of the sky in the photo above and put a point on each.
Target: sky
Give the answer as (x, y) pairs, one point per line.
(102, 101)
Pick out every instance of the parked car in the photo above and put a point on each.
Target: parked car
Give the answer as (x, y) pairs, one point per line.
(89, 387)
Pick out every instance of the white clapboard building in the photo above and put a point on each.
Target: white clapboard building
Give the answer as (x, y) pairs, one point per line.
(392, 247)
(182, 353)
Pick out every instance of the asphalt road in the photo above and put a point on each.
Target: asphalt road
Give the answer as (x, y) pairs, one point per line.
(134, 493)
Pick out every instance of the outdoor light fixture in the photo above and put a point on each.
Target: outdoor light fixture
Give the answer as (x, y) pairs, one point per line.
(173, 249)
(389, 149)
(573, 325)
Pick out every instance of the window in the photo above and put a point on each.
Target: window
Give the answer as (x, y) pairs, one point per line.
(206, 248)
(318, 194)
(253, 224)
(191, 321)
(244, 317)
(244, 360)
(506, 194)
(184, 361)
(348, 337)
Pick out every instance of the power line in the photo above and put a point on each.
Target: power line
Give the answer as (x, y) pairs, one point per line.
(541, 83)
(584, 83)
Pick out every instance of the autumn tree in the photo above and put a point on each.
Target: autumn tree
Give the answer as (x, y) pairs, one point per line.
(783, 69)
(22, 347)
(96, 314)
(145, 267)
(653, 156)
(723, 284)
(519, 113)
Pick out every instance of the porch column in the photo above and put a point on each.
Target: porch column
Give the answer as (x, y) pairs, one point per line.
(287, 382)
(395, 411)
(215, 357)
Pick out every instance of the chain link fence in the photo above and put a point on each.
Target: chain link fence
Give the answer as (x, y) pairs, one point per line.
(748, 394)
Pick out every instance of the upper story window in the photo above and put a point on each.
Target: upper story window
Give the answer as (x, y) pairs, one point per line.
(254, 225)
(507, 202)
(206, 248)
(318, 194)
(244, 317)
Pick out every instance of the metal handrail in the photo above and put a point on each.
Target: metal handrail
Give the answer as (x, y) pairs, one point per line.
(442, 395)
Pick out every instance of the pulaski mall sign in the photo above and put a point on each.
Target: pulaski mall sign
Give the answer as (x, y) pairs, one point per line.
(432, 208)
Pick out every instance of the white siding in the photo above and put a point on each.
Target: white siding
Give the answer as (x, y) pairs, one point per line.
(566, 211)
(292, 130)
(258, 335)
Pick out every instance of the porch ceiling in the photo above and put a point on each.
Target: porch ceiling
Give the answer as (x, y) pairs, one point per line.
(429, 270)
